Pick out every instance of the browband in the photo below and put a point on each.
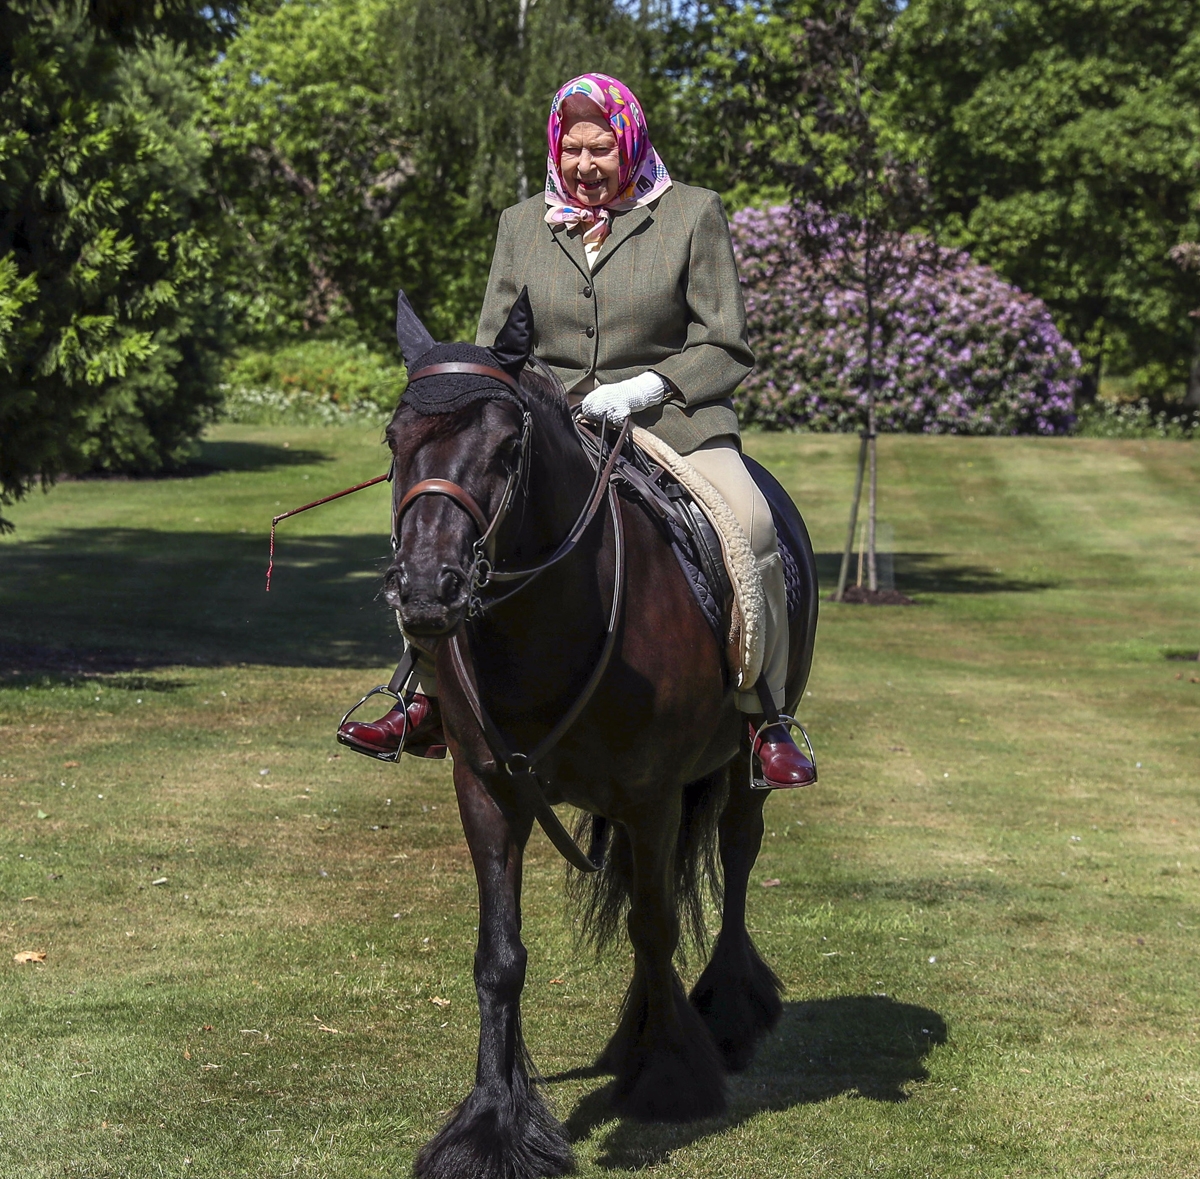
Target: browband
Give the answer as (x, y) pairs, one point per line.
(457, 366)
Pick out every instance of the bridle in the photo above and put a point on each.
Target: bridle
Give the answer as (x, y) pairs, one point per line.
(520, 767)
(483, 550)
(483, 568)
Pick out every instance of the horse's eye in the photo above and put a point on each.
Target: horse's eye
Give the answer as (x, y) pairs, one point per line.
(509, 453)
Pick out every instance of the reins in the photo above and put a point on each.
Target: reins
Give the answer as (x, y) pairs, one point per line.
(316, 503)
(520, 767)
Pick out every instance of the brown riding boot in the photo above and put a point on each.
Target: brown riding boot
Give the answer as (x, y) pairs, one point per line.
(784, 767)
(425, 736)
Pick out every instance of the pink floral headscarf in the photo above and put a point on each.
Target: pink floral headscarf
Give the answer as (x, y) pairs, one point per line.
(642, 175)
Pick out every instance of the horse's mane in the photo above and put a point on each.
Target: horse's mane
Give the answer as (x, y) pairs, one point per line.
(545, 390)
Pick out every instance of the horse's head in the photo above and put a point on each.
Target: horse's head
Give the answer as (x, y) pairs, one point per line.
(459, 440)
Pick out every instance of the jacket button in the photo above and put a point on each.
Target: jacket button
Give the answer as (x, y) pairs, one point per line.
(590, 332)
(587, 292)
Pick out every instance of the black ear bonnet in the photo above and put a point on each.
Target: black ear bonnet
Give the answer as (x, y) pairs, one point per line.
(448, 392)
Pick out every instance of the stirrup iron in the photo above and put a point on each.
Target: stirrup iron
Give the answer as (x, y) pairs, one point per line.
(772, 717)
(382, 690)
(395, 688)
(783, 720)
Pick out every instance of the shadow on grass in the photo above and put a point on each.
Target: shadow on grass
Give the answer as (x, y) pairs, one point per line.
(90, 601)
(868, 1046)
(935, 573)
(99, 601)
(210, 457)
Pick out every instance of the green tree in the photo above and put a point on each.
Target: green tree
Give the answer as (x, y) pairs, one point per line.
(1063, 139)
(110, 312)
(366, 145)
(795, 84)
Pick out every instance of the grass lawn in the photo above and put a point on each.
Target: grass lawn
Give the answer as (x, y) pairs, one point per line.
(258, 946)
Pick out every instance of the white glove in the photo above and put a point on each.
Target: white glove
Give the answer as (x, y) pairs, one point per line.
(622, 398)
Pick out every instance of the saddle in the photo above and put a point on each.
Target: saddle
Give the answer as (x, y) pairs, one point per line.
(712, 550)
(692, 537)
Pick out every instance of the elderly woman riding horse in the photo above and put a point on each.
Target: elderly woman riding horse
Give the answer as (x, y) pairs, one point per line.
(558, 635)
(638, 310)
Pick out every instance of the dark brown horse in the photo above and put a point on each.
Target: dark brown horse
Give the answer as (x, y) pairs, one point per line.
(657, 760)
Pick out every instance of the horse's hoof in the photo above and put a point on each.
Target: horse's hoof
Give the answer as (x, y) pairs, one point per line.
(507, 1135)
(674, 1087)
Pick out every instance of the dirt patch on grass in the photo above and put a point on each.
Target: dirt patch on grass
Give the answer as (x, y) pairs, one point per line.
(859, 595)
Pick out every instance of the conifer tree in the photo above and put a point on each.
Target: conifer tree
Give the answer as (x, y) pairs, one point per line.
(111, 316)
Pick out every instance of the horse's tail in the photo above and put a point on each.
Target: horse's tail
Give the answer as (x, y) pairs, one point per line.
(601, 899)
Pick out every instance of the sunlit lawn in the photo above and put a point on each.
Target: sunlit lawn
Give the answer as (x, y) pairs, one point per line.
(987, 918)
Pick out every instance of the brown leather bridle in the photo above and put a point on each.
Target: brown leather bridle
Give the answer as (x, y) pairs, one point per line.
(484, 548)
(483, 570)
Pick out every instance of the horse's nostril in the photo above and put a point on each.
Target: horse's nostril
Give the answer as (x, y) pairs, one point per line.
(395, 583)
(449, 584)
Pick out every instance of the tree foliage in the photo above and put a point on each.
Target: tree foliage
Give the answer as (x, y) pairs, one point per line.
(110, 306)
(1062, 137)
(366, 145)
(765, 96)
(958, 350)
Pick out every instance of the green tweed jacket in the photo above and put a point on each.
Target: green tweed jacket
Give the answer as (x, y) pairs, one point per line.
(663, 295)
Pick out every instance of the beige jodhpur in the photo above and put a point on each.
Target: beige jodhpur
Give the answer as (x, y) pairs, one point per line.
(720, 462)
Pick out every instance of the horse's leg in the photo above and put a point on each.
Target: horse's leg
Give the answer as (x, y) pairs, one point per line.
(502, 1130)
(738, 993)
(667, 1067)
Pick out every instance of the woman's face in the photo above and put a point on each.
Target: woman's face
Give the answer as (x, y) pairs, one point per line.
(589, 163)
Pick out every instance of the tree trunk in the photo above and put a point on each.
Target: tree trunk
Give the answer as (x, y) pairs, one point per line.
(1089, 382)
(522, 170)
(872, 564)
(1192, 400)
(844, 572)
(872, 576)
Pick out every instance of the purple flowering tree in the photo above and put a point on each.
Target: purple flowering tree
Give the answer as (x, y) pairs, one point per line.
(957, 350)
(858, 322)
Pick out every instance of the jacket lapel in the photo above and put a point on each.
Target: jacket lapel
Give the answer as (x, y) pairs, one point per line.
(623, 227)
(571, 245)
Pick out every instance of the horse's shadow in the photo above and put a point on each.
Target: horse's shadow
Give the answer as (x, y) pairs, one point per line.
(869, 1046)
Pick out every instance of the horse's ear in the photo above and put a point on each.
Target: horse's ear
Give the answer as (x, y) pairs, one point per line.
(514, 344)
(411, 335)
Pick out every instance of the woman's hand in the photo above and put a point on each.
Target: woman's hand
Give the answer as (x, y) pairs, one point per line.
(617, 401)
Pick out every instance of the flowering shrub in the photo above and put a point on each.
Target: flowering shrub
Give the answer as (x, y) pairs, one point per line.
(957, 349)
(315, 383)
(1107, 419)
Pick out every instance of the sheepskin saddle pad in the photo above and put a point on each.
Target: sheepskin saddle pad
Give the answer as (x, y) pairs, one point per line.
(747, 610)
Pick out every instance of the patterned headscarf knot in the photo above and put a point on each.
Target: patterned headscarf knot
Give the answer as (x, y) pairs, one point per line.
(641, 177)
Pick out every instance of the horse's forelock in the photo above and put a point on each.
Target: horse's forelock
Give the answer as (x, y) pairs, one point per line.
(411, 429)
